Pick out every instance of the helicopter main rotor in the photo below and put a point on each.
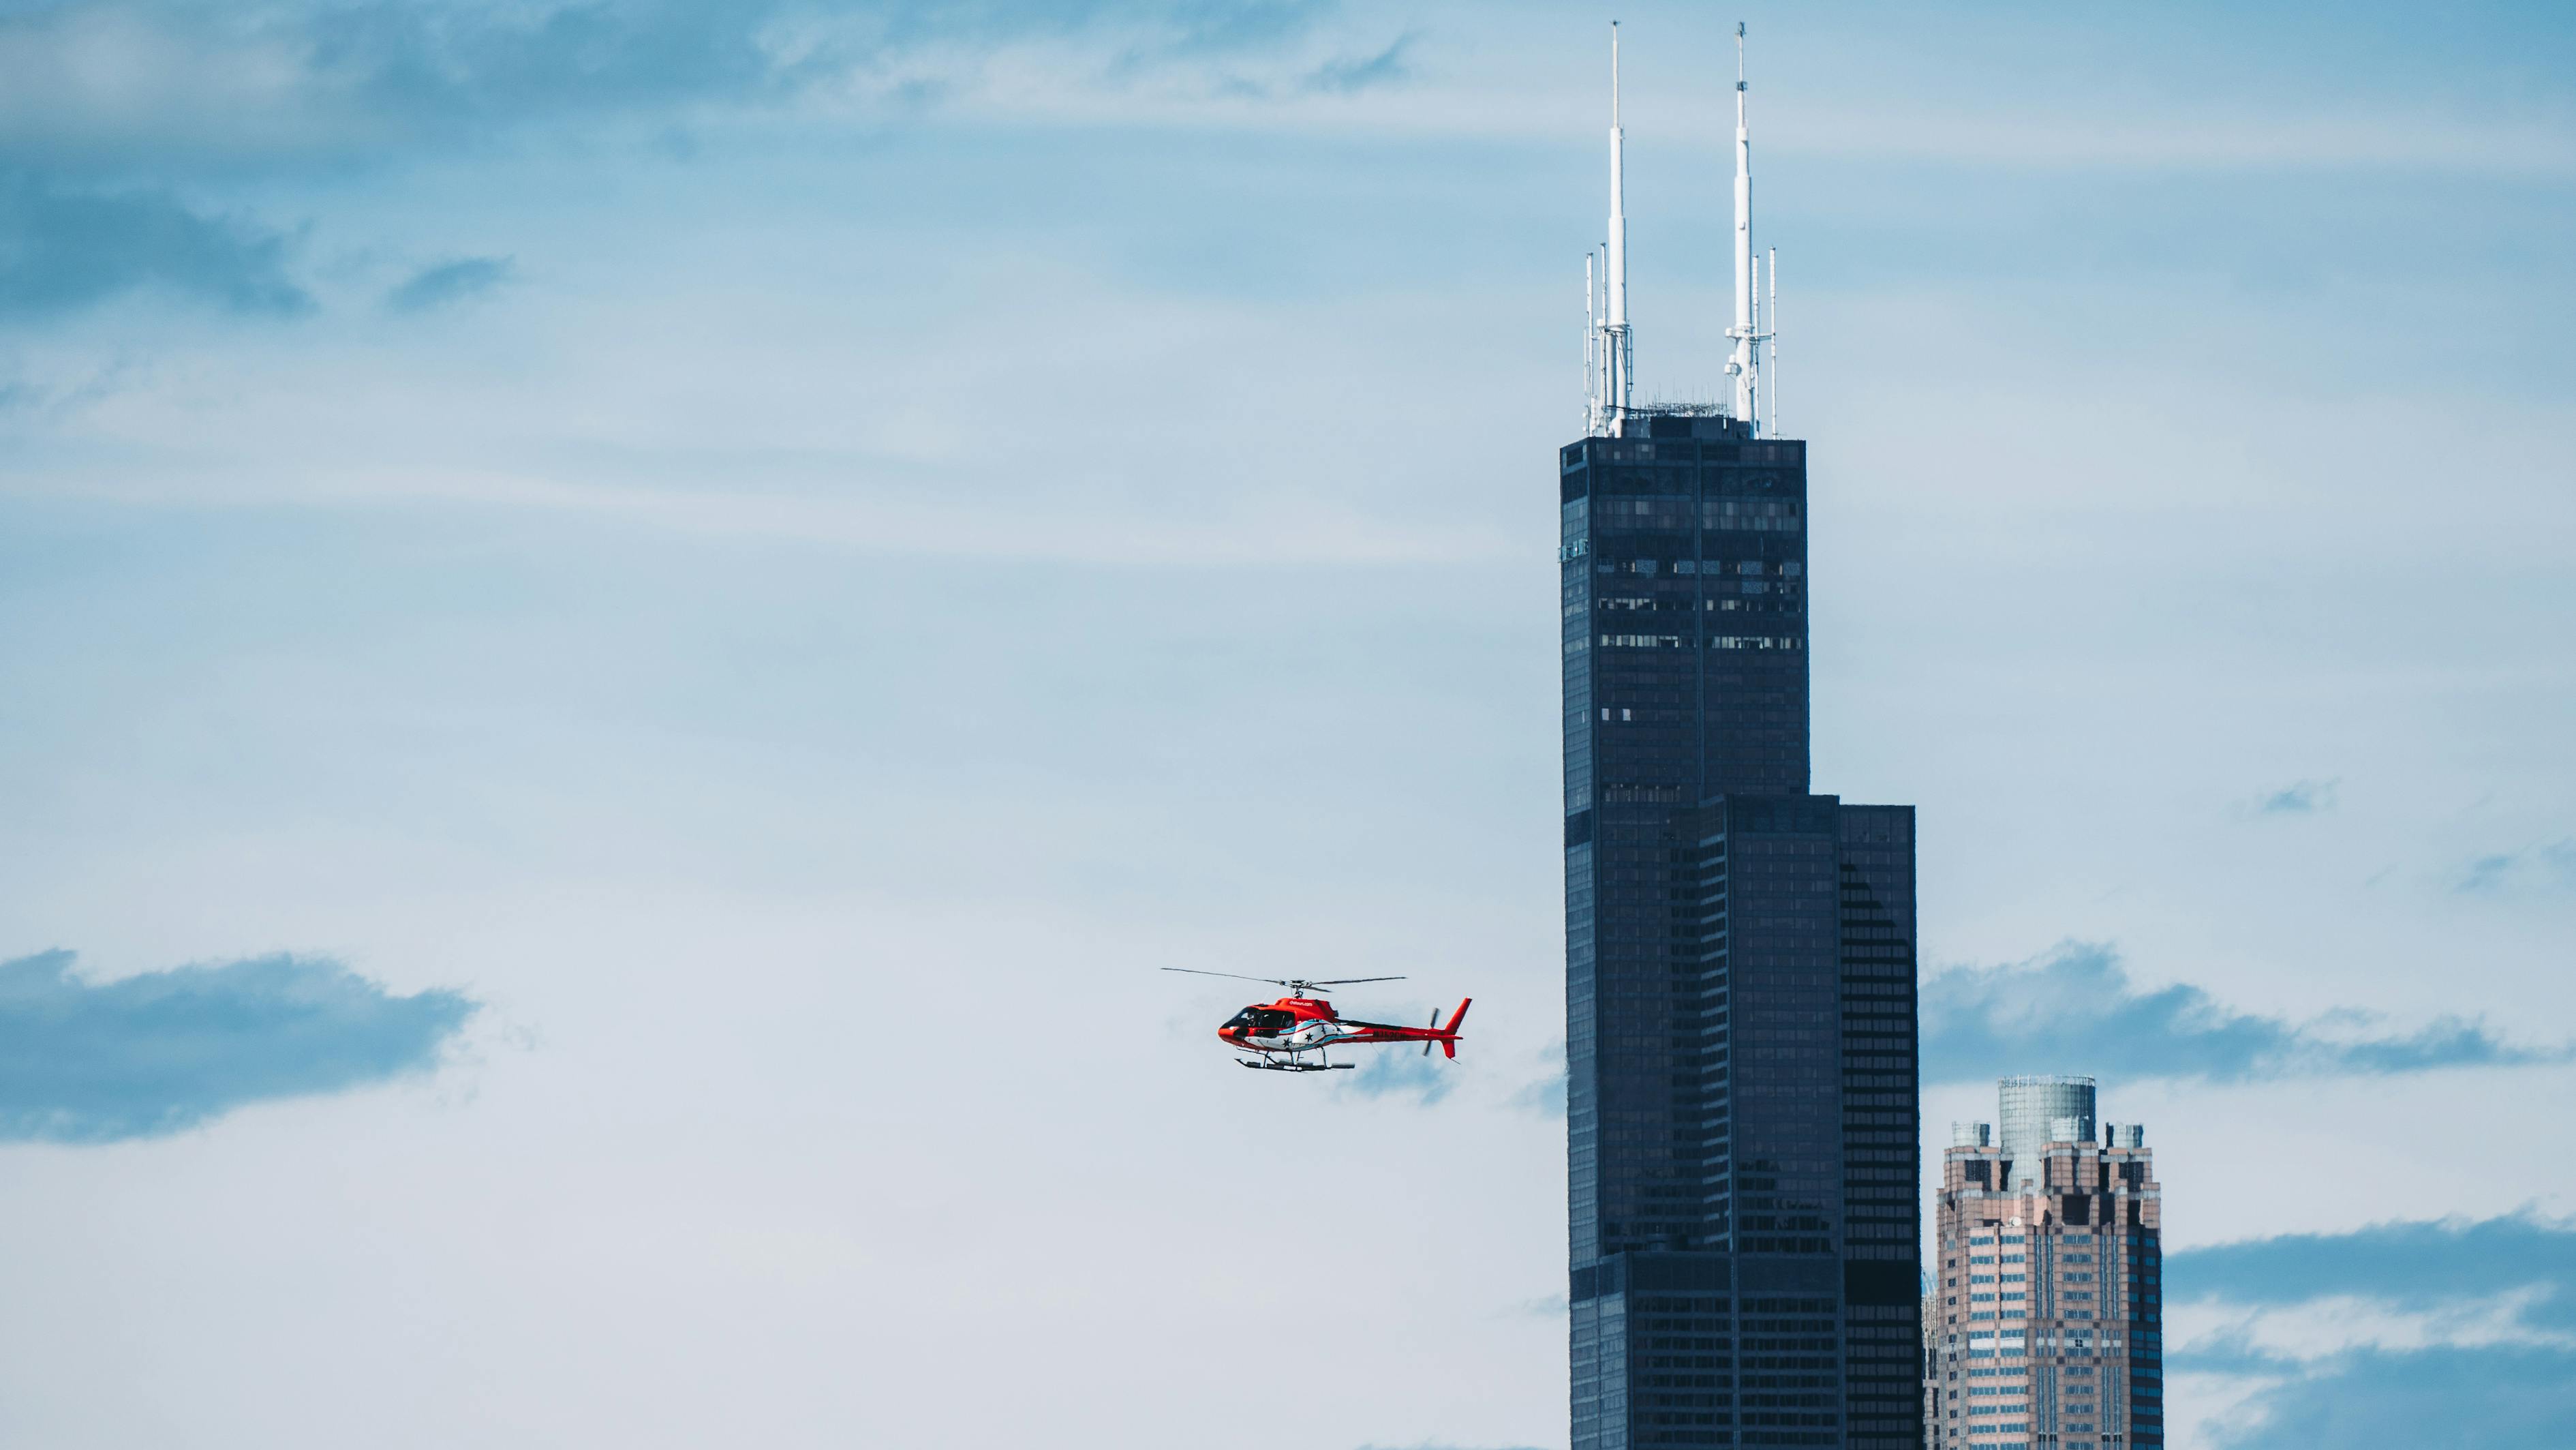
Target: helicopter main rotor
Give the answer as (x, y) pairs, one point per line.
(1297, 986)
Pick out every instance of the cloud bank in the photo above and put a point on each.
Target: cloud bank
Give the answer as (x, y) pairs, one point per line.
(2398, 1334)
(2413, 1265)
(2076, 1005)
(111, 115)
(88, 84)
(65, 248)
(96, 1062)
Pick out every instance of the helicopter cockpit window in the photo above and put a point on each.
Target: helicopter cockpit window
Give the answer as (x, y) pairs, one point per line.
(1240, 1019)
(1271, 1023)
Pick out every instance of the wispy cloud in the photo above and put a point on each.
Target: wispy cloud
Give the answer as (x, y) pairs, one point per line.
(1546, 1097)
(2399, 1333)
(2076, 1005)
(62, 249)
(95, 1062)
(1402, 1072)
(2549, 866)
(448, 283)
(164, 80)
(1350, 75)
(2301, 798)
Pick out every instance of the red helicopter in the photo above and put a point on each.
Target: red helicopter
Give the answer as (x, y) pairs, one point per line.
(1302, 1022)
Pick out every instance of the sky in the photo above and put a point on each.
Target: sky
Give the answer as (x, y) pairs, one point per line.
(628, 632)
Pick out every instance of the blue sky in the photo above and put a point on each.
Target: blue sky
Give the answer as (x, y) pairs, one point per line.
(629, 630)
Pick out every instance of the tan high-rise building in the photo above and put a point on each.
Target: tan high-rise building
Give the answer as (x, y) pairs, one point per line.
(2047, 1280)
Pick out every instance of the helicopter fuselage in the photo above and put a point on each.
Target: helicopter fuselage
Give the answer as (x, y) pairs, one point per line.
(1294, 1025)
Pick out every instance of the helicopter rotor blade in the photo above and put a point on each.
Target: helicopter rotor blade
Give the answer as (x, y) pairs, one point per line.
(1435, 1026)
(1337, 981)
(1238, 976)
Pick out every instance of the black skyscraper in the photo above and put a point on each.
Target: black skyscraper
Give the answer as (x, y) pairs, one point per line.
(1740, 1014)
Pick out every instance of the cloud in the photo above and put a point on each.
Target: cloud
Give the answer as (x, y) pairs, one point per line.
(2551, 866)
(1398, 1071)
(141, 1056)
(2517, 1398)
(2076, 1005)
(1204, 31)
(447, 283)
(63, 249)
(175, 79)
(2302, 798)
(1350, 75)
(1545, 1097)
(2411, 1332)
(84, 85)
(2410, 1264)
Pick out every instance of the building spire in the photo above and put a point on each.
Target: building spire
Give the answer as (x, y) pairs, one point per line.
(1745, 366)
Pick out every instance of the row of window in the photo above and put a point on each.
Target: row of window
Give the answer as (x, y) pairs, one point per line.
(1682, 450)
(1715, 641)
(2064, 1254)
(1656, 514)
(1678, 602)
(1741, 568)
(1640, 505)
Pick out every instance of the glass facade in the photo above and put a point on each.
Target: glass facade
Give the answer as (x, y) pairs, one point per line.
(1741, 1106)
(2030, 1108)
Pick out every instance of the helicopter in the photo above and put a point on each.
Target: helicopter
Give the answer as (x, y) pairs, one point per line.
(1281, 1033)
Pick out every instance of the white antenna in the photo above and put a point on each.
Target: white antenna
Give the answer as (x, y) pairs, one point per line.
(1745, 365)
(1591, 351)
(1771, 364)
(1618, 353)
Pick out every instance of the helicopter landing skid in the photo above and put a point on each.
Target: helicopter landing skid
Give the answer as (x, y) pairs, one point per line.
(1296, 1066)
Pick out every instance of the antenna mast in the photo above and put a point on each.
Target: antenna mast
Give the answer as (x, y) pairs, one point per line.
(1771, 359)
(1745, 367)
(1618, 353)
(1591, 348)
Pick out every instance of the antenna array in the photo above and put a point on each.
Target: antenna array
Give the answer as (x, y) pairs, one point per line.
(1609, 349)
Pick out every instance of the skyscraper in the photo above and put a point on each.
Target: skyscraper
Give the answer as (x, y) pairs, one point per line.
(2050, 1279)
(1740, 1018)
